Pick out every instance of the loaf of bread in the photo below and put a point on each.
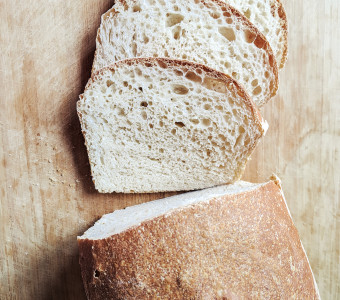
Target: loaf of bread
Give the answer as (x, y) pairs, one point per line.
(270, 18)
(208, 32)
(154, 125)
(229, 242)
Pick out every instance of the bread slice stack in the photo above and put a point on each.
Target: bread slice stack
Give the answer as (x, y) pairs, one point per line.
(229, 242)
(152, 117)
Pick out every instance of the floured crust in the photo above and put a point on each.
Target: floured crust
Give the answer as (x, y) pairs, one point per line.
(231, 247)
(185, 66)
(259, 40)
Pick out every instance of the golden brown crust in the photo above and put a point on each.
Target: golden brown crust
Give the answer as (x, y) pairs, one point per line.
(260, 40)
(234, 246)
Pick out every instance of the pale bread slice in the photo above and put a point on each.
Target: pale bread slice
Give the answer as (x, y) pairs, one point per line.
(270, 18)
(208, 32)
(229, 242)
(153, 125)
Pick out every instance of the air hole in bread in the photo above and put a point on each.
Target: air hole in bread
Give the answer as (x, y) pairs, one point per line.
(125, 83)
(141, 89)
(219, 107)
(144, 104)
(239, 140)
(227, 65)
(161, 123)
(180, 124)
(215, 15)
(177, 32)
(215, 85)
(144, 115)
(247, 13)
(138, 72)
(180, 89)
(162, 64)
(266, 74)
(151, 126)
(109, 83)
(193, 77)
(257, 90)
(178, 72)
(194, 121)
(227, 14)
(134, 49)
(206, 122)
(173, 19)
(249, 36)
(228, 33)
(255, 82)
(229, 20)
(207, 106)
(145, 39)
(136, 8)
(173, 131)
(161, 150)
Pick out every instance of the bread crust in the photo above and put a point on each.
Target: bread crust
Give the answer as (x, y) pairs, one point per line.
(284, 27)
(234, 246)
(182, 64)
(260, 39)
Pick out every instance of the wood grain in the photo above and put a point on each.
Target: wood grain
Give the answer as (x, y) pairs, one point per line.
(47, 197)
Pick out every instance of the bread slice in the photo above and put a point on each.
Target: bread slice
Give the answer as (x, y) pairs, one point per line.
(208, 32)
(229, 242)
(154, 125)
(270, 18)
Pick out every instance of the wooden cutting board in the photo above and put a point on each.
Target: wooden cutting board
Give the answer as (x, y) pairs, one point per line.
(47, 197)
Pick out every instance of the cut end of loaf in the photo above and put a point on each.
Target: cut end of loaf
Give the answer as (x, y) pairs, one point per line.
(166, 125)
(124, 219)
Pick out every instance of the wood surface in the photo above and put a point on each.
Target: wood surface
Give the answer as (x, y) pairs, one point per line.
(47, 196)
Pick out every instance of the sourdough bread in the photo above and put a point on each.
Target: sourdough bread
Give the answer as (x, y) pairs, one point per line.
(270, 18)
(208, 32)
(154, 125)
(228, 242)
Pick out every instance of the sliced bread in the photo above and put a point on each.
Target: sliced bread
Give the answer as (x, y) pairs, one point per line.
(270, 18)
(208, 32)
(153, 125)
(229, 242)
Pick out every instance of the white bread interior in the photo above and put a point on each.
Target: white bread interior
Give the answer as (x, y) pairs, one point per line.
(155, 125)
